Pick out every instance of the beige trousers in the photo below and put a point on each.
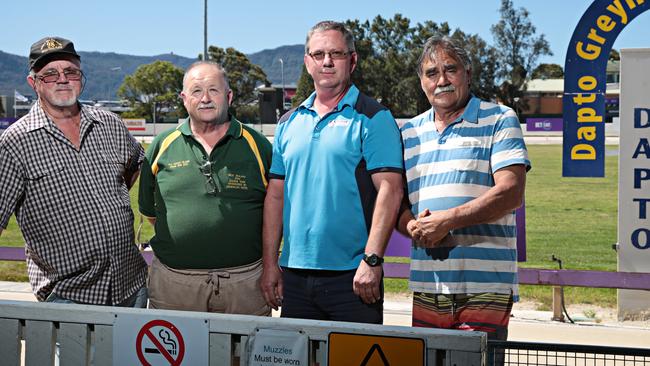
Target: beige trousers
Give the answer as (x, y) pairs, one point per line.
(233, 290)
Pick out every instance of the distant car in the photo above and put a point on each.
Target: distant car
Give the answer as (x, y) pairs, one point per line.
(116, 106)
(87, 102)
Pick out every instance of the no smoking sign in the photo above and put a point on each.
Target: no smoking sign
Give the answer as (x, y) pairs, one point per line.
(160, 338)
(154, 340)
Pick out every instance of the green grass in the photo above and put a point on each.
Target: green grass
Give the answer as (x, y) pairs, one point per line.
(574, 219)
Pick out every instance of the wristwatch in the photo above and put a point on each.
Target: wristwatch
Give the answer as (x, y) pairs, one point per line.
(373, 260)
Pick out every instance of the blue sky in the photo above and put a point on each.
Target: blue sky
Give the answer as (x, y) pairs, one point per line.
(148, 27)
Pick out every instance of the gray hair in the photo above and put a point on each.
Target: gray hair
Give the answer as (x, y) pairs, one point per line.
(331, 25)
(207, 62)
(449, 46)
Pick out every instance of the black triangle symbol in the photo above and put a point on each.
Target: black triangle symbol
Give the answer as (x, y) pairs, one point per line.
(375, 347)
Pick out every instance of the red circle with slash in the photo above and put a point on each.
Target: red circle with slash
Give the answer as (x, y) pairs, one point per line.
(174, 360)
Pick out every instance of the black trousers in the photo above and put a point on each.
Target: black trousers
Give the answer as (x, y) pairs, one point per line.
(327, 295)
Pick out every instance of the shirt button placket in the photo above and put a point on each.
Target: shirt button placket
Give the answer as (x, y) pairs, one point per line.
(316, 133)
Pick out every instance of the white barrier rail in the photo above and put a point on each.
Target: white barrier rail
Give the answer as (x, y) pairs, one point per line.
(31, 332)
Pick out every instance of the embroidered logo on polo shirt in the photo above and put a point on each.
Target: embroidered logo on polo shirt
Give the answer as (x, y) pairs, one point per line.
(339, 123)
(464, 142)
(236, 181)
(178, 164)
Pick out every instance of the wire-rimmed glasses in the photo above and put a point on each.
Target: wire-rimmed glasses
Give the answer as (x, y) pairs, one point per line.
(319, 55)
(53, 75)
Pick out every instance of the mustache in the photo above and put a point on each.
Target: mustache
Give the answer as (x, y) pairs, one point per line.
(208, 105)
(442, 89)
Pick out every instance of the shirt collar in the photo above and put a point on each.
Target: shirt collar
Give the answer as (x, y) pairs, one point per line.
(234, 130)
(350, 98)
(90, 114)
(470, 114)
(37, 118)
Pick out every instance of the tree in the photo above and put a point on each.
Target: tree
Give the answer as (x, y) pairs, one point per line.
(243, 77)
(304, 88)
(156, 84)
(548, 71)
(614, 55)
(519, 48)
(484, 64)
(391, 65)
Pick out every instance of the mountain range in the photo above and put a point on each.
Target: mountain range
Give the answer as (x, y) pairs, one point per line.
(105, 71)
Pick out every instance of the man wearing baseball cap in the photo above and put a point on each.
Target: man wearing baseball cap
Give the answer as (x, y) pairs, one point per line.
(65, 172)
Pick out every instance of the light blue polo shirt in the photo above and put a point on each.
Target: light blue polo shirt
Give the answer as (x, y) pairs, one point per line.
(326, 164)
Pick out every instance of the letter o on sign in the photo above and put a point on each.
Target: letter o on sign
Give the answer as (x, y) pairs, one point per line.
(636, 235)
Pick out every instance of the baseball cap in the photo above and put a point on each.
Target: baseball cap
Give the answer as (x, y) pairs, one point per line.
(48, 48)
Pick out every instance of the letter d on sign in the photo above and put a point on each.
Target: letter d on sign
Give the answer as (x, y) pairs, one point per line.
(583, 152)
(638, 121)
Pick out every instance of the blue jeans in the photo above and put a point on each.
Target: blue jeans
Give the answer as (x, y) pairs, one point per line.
(137, 300)
(326, 295)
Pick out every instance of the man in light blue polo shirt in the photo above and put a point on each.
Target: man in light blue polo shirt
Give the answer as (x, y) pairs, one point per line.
(466, 164)
(334, 192)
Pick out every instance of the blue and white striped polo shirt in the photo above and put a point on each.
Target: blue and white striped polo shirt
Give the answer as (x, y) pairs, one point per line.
(445, 170)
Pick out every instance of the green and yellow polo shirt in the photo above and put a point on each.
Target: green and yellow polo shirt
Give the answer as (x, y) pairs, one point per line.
(206, 218)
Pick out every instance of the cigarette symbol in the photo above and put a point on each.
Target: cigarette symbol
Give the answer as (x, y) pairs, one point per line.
(166, 339)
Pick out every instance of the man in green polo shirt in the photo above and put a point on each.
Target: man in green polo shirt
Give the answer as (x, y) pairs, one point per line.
(203, 186)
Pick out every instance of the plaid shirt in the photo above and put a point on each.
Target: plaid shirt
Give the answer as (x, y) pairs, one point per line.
(73, 206)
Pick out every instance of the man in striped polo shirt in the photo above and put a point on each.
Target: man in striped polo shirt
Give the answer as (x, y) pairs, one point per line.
(466, 163)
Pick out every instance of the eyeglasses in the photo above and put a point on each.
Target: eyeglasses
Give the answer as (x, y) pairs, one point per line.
(334, 55)
(51, 76)
(212, 186)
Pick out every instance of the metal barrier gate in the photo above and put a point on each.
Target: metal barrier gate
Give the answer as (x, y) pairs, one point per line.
(30, 333)
(526, 353)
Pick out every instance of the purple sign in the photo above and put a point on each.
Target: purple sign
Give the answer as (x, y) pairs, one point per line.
(520, 214)
(6, 122)
(544, 124)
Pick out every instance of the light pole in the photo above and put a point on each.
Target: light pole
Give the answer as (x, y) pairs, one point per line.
(282, 77)
(153, 117)
(205, 30)
(116, 70)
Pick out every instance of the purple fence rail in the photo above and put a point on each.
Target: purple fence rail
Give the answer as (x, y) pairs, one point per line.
(527, 276)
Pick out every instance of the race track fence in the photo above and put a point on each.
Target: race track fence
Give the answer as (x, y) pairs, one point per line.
(83, 334)
(526, 353)
(526, 276)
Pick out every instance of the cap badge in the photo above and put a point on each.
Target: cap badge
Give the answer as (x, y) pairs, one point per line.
(51, 44)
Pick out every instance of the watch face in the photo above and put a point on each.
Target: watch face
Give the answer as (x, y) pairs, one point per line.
(372, 260)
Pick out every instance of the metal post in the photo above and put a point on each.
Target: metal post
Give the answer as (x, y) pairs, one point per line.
(154, 118)
(558, 316)
(205, 30)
